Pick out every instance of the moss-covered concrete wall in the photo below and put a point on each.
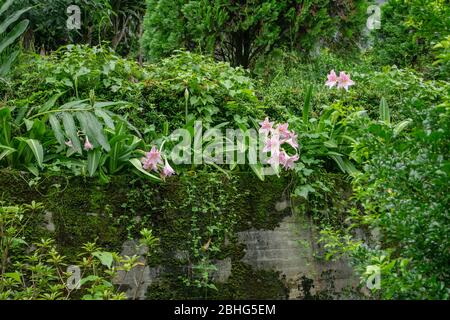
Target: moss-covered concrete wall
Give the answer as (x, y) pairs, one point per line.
(197, 215)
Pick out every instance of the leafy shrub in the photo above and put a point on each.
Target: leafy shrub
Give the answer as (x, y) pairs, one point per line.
(442, 62)
(403, 189)
(9, 33)
(213, 91)
(409, 29)
(188, 83)
(221, 29)
(405, 90)
(114, 21)
(38, 271)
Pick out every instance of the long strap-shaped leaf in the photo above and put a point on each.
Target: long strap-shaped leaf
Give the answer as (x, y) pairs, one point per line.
(36, 148)
(385, 114)
(138, 165)
(11, 19)
(14, 34)
(6, 6)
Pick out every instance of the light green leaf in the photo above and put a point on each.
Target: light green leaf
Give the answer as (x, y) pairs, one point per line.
(93, 161)
(257, 169)
(106, 258)
(303, 191)
(36, 148)
(16, 276)
(13, 35)
(385, 115)
(401, 126)
(71, 131)
(56, 127)
(138, 165)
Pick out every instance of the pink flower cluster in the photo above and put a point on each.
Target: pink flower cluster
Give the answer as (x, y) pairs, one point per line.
(151, 161)
(343, 81)
(275, 138)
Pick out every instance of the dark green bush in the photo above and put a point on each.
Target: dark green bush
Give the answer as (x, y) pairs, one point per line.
(409, 29)
(241, 31)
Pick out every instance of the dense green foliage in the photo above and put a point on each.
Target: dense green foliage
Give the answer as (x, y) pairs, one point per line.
(241, 31)
(115, 21)
(409, 30)
(9, 32)
(86, 137)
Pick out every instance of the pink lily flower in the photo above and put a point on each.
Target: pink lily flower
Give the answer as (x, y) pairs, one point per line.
(272, 144)
(332, 79)
(88, 145)
(167, 170)
(344, 81)
(290, 162)
(292, 140)
(283, 130)
(283, 158)
(152, 159)
(274, 159)
(266, 126)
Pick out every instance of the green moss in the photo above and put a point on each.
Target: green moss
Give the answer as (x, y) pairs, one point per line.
(85, 210)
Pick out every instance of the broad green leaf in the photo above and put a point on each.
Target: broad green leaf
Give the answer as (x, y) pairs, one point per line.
(71, 131)
(11, 19)
(330, 144)
(75, 104)
(106, 258)
(307, 104)
(93, 128)
(56, 127)
(399, 127)
(303, 191)
(36, 148)
(5, 123)
(49, 104)
(6, 6)
(90, 278)
(7, 63)
(385, 115)
(93, 161)
(13, 35)
(106, 118)
(16, 276)
(6, 153)
(33, 170)
(257, 169)
(138, 165)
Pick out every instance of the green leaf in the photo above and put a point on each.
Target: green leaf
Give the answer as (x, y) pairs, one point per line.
(93, 161)
(385, 115)
(257, 169)
(303, 191)
(71, 131)
(90, 278)
(106, 258)
(13, 35)
(49, 104)
(5, 125)
(93, 129)
(56, 127)
(138, 165)
(7, 63)
(11, 19)
(106, 118)
(401, 126)
(6, 6)
(33, 170)
(16, 276)
(36, 148)
(307, 105)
